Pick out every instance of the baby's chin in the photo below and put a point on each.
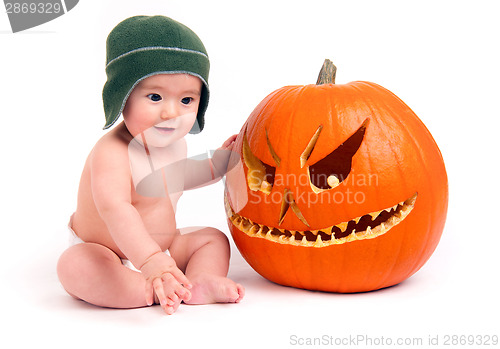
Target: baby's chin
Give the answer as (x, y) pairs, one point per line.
(162, 138)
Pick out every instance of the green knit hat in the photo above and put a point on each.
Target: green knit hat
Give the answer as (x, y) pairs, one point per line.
(143, 46)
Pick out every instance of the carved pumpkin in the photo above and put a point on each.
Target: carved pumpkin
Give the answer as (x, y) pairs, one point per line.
(337, 188)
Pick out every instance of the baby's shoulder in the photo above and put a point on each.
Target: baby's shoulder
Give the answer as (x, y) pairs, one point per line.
(111, 147)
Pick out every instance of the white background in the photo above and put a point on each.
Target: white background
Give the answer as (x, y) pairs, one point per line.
(441, 57)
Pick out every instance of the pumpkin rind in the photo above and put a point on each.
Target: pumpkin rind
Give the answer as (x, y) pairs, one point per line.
(396, 159)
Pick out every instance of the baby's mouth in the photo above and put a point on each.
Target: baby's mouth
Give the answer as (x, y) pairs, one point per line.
(164, 130)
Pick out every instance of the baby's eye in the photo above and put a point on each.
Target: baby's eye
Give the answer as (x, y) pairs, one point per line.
(186, 100)
(155, 97)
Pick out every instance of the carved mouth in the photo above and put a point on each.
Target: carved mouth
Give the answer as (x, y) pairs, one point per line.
(368, 226)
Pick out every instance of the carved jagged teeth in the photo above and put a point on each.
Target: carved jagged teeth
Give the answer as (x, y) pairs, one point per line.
(406, 209)
(285, 236)
(303, 242)
(393, 220)
(254, 229)
(259, 233)
(269, 236)
(246, 225)
(342, 226)
(240, 224)
(318, 242)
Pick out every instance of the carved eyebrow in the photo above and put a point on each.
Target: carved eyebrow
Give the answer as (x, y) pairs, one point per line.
(352, 141)
(275, 156)
(310, 146)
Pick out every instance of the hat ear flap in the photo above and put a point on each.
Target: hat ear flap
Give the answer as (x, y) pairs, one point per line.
(200, 118)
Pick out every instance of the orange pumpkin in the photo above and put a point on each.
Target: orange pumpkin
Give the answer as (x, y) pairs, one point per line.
(337, 188)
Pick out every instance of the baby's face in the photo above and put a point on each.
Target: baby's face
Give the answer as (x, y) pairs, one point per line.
(163, 108)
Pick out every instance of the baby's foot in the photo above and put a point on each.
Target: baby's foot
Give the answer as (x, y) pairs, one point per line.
(208, 289)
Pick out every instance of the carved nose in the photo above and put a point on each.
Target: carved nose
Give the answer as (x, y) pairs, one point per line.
(287, 203)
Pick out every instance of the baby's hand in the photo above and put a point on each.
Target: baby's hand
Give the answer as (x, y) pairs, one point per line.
(228, 144)
(164, 279)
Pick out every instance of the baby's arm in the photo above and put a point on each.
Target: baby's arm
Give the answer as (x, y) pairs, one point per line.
(189, 173)
(220, 159)
(111, 190)
(205, 172)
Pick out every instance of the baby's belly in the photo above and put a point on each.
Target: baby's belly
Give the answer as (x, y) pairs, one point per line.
(161, 226)
(158, 220)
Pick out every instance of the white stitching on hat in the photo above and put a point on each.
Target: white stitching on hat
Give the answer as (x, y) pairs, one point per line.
(151, 48)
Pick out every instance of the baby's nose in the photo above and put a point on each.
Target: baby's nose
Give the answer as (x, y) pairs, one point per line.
(168, 112)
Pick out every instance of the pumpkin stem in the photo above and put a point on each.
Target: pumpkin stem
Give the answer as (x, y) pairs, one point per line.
(327, 73)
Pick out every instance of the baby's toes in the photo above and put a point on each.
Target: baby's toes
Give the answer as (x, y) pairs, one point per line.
(234, 293)
(241, 293)
(229, 292)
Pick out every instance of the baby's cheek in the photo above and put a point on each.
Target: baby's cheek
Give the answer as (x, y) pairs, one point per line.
(188, 121)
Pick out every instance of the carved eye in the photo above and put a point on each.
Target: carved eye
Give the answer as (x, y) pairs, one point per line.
(334, 168)
(260, 176)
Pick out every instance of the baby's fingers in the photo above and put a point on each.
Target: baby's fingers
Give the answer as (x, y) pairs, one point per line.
(177, 290)
(182, 279)
(149, 293)
(230, 140)
(160, 293)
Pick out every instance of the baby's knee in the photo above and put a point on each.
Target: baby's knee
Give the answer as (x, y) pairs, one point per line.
(78, 261)
(217, 236)
(209, 236)
(66, 266)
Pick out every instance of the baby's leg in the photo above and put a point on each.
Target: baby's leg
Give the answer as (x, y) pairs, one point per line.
(203, 255)
(95, 274)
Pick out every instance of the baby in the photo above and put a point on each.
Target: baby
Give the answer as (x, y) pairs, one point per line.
(127, 250)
